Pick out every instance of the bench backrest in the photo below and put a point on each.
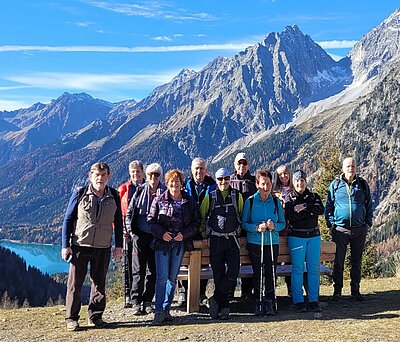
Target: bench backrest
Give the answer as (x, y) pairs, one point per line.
(328, 249)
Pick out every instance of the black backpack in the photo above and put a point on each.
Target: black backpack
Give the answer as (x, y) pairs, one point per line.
(213, 200)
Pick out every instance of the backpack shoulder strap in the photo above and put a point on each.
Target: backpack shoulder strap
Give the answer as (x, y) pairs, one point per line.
(235, 200)
(275, 203)
(335, 187)
(251, 201)
(81, 193)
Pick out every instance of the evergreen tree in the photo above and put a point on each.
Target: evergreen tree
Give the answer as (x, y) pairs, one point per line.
(330, 168)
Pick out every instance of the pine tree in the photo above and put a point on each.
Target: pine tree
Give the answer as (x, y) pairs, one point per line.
(329, 169)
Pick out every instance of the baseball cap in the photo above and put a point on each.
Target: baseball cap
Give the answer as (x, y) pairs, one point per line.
(222, 172)
(240, 156)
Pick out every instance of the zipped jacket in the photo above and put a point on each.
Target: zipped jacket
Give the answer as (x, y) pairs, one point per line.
(305, 222)
(160, 217)
(261, 212)
(348, 205)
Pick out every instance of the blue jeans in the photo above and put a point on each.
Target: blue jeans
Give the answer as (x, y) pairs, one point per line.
(167, 269)
(305, 250)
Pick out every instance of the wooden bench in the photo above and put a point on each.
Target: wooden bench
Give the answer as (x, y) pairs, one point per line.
(196, 266)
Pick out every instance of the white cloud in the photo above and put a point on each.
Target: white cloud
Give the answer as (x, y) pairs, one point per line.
(173, 48)
(162, 38)
(13, 104)
(153, 10)
(84, 24)
(168, 38)
(90, 82)
(337, 44)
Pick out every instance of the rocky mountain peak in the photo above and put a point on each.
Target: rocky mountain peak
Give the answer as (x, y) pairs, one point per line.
(376, 52)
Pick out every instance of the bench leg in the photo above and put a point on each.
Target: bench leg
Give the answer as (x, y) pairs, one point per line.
(193, 295)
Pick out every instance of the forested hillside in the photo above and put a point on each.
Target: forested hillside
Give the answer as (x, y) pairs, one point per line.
(22, 285)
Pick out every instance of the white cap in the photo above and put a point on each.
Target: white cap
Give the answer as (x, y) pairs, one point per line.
(240, 156)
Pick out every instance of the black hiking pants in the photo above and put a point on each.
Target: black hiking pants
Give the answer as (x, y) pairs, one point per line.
(255, 258)
(143, 268)
(356, 237)
(225, 264)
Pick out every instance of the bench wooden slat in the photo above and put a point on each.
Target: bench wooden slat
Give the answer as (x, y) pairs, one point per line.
(194, 271)
(246, 271)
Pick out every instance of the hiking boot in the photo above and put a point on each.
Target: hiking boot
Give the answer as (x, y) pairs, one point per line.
(167, 316)
(300, 307)
(158, 318)
(148, 308)
(268, 308)
(136, 309)
(224, 314)
(258, 311)
(203, 300)
(181, 299)
(73, 326)
(128, 303)
(214, 308)
(337, 295)
(97, 323)
(314, 306)
(357, 296)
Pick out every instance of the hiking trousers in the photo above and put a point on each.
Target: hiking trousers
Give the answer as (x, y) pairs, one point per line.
(356, 237)
(98, 259)
(305, 250)
(255, 258)
(143, 268)
(225, 264)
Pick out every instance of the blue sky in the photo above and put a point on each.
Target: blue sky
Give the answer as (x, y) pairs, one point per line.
(122, 49)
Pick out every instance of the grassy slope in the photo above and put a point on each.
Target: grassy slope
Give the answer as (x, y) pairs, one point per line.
(376, 319)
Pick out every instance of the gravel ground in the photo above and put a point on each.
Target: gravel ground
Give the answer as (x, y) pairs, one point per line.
(376, 319)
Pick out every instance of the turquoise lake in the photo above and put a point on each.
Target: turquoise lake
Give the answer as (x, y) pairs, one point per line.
(47, 258)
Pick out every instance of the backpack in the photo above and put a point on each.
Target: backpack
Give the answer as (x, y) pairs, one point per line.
(251, 200)
(361, 181)
(213, 200)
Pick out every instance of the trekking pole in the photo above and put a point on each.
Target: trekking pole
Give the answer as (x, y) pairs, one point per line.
(273, 269)
(262, 272)
(126, 273)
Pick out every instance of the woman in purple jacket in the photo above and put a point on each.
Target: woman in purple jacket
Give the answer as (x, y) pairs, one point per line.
(174, 219)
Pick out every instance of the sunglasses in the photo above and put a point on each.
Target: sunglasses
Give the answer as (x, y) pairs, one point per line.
(242, 162)
(220, 179)
(155, 174)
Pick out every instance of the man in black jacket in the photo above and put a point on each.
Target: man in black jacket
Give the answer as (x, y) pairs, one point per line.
(243, 181)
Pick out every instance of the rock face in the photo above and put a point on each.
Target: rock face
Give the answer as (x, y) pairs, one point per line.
(254, 99)
(375, 53)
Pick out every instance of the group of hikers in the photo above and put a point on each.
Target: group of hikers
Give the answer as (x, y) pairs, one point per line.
(157, 222)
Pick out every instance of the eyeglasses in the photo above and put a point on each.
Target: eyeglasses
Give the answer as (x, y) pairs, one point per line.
(242, 162)
(220, 179)
(155, 174)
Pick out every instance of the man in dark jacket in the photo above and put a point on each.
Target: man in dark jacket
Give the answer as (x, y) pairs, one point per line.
(93, 214)
(348, 213)
(198, 186)
(126, 192)
(243, 181)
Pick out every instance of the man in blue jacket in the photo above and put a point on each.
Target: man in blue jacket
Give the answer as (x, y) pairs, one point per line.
(348, 213)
